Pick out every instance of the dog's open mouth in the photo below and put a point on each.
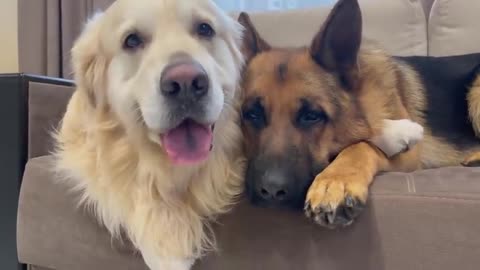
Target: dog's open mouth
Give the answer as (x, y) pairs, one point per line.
(188, 143)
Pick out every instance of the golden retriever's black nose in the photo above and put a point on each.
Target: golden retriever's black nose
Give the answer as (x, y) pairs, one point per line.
(185, 79)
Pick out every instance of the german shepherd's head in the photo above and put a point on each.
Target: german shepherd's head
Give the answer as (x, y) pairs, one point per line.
(300, 106)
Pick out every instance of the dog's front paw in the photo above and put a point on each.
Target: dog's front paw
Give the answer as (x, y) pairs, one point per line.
(472, 160)
(336, 200)
(398, 136)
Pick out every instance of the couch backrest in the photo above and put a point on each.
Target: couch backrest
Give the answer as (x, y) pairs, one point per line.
(454, 27)
(400, 26)
(404, 27)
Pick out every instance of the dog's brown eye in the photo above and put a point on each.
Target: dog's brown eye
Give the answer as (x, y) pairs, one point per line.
(306, 118)
(133, 41)
(255, 115)
(205, 30)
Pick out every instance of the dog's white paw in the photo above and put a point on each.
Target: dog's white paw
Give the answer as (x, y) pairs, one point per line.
(398, 136)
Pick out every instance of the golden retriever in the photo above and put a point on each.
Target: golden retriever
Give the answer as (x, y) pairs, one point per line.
(151, 135)
(151, 138)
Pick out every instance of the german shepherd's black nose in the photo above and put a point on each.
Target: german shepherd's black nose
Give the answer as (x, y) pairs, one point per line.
(184, 80)
(274, 186)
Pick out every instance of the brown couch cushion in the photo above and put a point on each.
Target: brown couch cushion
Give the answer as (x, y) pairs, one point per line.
(423, 220)
(400, 26)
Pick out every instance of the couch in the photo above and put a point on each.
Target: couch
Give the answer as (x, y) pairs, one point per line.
(414, 221)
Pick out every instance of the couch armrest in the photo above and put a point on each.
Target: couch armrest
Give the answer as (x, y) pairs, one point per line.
(47, 102)
(16, 91)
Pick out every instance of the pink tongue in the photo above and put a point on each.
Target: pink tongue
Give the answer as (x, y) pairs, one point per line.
(188, 143)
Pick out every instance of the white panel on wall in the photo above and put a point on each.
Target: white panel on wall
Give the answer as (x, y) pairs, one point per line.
(262, 5)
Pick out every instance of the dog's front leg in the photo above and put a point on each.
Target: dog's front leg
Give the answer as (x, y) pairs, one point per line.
(339, 193)
(155, 262)
(398, 136)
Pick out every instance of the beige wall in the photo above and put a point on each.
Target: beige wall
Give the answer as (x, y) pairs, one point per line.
(9, 37)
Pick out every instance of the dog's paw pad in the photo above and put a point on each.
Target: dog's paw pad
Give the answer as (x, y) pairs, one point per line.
(332, 218)
(333, 204)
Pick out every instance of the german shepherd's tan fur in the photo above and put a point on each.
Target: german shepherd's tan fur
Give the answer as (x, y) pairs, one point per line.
(346, 90)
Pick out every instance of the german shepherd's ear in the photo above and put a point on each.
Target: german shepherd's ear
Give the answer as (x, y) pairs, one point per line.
(336, 46)
(253, 44)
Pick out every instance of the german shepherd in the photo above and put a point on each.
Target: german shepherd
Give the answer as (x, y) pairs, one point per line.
(308, 114)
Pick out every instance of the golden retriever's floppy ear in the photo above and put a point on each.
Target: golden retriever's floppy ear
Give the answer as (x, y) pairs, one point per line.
(336, 46)
(90, 62)
(234, 39)
(253, 44)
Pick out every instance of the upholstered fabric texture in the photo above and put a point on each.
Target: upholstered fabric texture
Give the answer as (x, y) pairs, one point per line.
(438, 210)
(47, 104)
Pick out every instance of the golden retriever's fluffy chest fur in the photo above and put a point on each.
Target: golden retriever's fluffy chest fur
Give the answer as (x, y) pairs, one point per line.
(130, 188)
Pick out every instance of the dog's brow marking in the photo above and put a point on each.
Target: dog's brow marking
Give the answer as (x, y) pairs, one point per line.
(282, 70)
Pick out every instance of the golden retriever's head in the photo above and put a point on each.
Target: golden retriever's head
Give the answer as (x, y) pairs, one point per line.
(300, 106)
(164, 68)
